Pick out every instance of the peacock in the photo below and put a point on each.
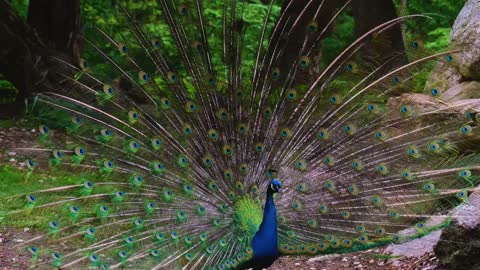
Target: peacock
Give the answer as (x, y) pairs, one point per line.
(199, 152)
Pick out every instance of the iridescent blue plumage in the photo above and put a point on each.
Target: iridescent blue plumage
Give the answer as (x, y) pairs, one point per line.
(265, 243)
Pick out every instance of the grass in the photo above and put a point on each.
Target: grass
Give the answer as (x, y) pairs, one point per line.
(7, 123)
(15, 184)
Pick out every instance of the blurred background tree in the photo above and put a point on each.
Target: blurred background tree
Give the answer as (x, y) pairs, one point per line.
(92, 14)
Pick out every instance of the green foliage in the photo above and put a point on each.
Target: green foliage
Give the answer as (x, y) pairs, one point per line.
(16, 183)
(107, 15)
(434, 32)
(342, 36)
(254, 16)
(21, 6)
(8, 92)
(4, 84)
(7, 123)
(440, 39)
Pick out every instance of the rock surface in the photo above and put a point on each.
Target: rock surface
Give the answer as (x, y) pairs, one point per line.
(466, 35)
(459, 245)
(465, 90)
(465, 67)
(416, 248)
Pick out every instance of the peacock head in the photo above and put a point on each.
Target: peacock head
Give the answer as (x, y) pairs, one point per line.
(274, 187)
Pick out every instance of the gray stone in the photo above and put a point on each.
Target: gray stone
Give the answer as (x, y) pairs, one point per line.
(423, 103)
(417, 247)
(464, 90)
(323, 258)
(466, 36)
(459, 244)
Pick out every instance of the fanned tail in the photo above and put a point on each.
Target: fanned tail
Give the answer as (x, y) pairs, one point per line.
(165, 165)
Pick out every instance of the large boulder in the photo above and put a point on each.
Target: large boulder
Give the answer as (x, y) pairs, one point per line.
(459, 245)
(465, 67)
(462, 91)
(466, 36)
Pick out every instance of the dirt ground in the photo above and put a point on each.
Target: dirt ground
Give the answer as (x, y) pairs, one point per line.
(12, 259)
(367, 260)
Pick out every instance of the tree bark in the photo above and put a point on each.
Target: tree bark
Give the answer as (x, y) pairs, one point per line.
(57, 22)
(27, 60)
(16, 59)
(294, 41)
(371, 13)
(367, 14)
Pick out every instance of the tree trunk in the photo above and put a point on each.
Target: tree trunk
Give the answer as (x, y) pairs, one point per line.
(27, 58)
(371, 13)
(57, 22)
(295, 40)
(367, 14)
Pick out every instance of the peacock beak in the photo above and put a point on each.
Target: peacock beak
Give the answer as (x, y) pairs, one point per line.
(280, 190)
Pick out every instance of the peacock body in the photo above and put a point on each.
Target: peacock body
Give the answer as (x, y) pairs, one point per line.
(175, 160)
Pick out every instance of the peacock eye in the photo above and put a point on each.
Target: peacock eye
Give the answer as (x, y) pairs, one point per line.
(122, 48)
(106, 132)
(57, 154)
(172, 77)
(395, 80)
(87, 184)
(275, 73)
(304, 62)
(165, 103)
(30, 164)
(143, 77)
(93, 258)
(79, 151)
(333, 99)
(83, 64)
(312, 27)
(156, 43)
(108, 90)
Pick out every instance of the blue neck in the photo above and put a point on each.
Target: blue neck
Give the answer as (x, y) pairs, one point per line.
(265, 241)
(269, 214)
